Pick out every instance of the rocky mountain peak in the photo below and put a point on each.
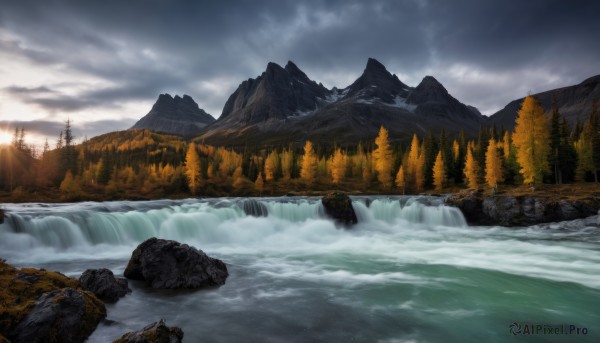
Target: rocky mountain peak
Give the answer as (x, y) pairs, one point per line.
(176, 115)
(429, 90)
(377, 82)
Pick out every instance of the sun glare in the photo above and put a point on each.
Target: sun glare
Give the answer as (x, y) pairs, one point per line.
(5, 137)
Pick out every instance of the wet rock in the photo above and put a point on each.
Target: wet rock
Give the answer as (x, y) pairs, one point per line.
(170, 264)
(508, 210)
(66, 315)
(338, 206)
(104, 285)
(157, 332)
(1, 216)
(255, 208)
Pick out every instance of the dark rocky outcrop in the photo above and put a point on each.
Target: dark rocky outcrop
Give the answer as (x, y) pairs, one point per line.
(170, 264)
(338, 206)
(175, 115)
(1, 216)
(522, 210)
(157, 332)
(104, 285)
(66, 315)
(40, 306)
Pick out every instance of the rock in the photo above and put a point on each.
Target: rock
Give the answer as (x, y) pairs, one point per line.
(66, 315)
(169, 264)
(508, 210)
(1, 216)
(338, 206)
(104, 285)
(157, 332)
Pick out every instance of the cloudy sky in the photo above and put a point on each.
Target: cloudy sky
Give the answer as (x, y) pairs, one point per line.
(103, 63)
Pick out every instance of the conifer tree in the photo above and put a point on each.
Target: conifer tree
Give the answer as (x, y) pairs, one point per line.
(401, 179)
(383, 158)
(555, 142)
(192, 168)
(471, 169)
(531, 138)
(439, 172)
(259, 184)
(413, 159)
(308, 170)
(493, 165)
(270, 167)
(338, 168)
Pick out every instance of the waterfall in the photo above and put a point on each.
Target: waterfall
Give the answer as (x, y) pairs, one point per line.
(215, 220)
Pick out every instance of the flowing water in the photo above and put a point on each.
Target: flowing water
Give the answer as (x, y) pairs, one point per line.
(410, 271)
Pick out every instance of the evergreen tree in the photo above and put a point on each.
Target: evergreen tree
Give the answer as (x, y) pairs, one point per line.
(383, 158)
(531, 139)
(555, 143)
(566, 155)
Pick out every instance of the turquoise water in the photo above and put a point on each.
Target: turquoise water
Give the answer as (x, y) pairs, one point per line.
(410, 271)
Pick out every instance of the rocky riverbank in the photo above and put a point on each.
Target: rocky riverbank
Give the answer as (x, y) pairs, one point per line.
(522, 210)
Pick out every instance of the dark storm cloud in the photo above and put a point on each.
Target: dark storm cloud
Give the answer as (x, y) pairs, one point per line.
(478, 49)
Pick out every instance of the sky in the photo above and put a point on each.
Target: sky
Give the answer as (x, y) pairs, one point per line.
(102, 64)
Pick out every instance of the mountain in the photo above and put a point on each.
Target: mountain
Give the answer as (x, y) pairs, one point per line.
(284, 106)
(180, 116)
(574, 102)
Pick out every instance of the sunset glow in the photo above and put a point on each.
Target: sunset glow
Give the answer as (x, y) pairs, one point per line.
(5, 137)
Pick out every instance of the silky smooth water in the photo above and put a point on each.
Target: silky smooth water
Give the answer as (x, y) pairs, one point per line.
(410, 271)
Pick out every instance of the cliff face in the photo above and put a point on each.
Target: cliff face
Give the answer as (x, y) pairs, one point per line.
(521, 210)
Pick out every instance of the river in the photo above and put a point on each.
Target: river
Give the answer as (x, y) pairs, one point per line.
(412, 270)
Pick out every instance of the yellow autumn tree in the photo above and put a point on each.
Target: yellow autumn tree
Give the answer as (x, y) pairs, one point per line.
(420, 173)
(471, 168)
(270, 167)
(308, 168)
(383, 158)
(259, 184)
(439, 172)
(192, 168)
(401, 179)
(338, 166)
(413, 159)
(532, 140)
(493, 165)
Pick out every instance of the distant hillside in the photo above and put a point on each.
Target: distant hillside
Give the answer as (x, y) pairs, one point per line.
(574, 102)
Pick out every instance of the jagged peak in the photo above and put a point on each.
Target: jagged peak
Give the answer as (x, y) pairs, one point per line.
(374, 65)
(431, 82)
(273, 67)
(295, 72)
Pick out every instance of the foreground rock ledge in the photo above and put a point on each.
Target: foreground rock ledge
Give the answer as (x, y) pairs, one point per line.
(522, 210)
(170, 264)
(157, 332)
(338, 206)
(42, 306)
(104, 285)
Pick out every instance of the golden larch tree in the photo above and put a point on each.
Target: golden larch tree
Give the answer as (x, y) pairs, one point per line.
(439, 172)
(308, 169)
(471, 168)
(383, 158)
(420, 173)
(259, 184)
(192, 168)
(493, 165)
(532, 140)
(413, 159)
(270, 167)
(338, 166)
(401, 179)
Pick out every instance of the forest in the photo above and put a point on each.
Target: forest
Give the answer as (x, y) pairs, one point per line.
(140, 164)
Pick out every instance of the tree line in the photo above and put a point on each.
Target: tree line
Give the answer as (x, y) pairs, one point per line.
(140, 163)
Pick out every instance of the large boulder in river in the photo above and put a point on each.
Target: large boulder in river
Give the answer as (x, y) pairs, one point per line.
(338, 206)
(104, 285)
(170, 264)
(157, 332)
(67, 315)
